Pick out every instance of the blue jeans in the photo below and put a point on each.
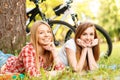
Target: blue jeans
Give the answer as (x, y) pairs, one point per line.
(3, 58)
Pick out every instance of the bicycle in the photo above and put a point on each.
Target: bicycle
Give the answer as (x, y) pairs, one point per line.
(55, 24)
(61, 9)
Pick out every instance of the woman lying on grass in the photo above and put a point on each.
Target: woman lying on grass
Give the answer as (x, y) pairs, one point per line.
(82, 52)
(40, 53)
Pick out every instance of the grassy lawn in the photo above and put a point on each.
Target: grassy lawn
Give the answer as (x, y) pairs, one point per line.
(109, 69)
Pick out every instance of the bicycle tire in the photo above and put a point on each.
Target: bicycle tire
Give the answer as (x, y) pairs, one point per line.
(108, 39)
(106, 36)
(66, 26)
(51, 22)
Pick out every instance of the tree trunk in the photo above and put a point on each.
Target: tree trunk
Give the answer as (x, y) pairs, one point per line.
(12, 25)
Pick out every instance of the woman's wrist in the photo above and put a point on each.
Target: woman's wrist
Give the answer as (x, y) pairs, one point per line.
(85, 50)
(55, 56)
(54, 53)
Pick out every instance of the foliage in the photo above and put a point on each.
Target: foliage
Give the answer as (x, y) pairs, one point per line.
(83, 10)
(105, 13)
(109, 16)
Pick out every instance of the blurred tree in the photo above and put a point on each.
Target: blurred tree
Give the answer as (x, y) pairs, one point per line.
(109, 17)
(83, 9)
(12, 25)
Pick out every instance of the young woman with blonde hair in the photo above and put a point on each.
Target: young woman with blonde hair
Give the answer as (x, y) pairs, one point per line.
(39, 53)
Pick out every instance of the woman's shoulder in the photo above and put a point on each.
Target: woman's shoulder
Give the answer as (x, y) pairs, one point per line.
(28, 46)
(70, 44)
(27, 49)
(70, 41)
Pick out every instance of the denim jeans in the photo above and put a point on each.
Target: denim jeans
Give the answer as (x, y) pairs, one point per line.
(3, 58)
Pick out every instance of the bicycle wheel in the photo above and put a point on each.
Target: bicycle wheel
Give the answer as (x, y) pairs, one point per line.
(106, 40)
(60, 29)
(106, 48)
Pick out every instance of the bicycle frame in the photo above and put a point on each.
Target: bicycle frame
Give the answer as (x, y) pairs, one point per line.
(65, 15)
(34, 12)
(37, 10)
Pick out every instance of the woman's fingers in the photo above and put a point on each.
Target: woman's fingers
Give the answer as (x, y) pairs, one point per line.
(94, 42)
(81, 43)
(50, 46)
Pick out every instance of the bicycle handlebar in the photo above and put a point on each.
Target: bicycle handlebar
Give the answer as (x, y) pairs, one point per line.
(70, 1)
(60, 9)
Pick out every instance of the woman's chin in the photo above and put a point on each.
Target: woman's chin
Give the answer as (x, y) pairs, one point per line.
(88, 43)
(44, 44)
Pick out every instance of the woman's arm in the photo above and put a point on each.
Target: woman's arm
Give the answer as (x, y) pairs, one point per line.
(92, 63)
(58, 65)
(82, 59)
(71, 56)
(28, 56)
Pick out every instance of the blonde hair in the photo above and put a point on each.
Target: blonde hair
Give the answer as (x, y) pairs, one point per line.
(34, 41)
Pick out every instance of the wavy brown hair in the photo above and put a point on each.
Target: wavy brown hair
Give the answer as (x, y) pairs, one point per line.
(80, 29)
(34, 41)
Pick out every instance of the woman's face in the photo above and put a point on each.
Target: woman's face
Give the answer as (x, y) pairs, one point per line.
(44, 35)
(88, 35)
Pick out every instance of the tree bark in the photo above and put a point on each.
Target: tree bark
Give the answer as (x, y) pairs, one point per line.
(12, 25)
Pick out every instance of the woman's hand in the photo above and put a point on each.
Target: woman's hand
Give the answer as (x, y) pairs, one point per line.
(83, 44)
(94, 43)
(50, 47)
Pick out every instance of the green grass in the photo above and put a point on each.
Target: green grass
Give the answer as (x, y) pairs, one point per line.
(109, 70)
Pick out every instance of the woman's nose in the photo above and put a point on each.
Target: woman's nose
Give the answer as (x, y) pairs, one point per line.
(46, 34)
(87, 36)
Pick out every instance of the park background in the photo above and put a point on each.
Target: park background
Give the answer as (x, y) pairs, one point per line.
(103, 12)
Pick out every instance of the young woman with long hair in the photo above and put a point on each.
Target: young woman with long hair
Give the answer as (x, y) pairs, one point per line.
(39, 53)
(82, 52)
